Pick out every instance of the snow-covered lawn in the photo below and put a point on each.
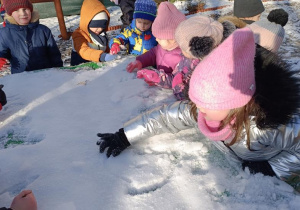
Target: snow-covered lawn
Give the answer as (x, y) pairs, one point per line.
(48, 142)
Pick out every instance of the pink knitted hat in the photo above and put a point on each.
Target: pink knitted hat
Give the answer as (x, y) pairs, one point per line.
(225, 78)
(167, 20)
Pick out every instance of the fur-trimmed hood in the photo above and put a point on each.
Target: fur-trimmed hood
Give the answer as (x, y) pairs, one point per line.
(35, 16)
(277, 89)
(235, 20)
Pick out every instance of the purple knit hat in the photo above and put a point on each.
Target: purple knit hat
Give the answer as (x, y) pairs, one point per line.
(13, 5)
(225, 78)
(167, 20)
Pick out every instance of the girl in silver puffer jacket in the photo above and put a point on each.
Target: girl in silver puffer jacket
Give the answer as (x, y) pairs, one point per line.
(243, 98)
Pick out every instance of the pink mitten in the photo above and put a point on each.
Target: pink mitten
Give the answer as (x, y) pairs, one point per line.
(150, 77)
(177, 80)
(134, 65)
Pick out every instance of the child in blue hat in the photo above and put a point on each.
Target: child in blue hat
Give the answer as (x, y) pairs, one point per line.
(138, 36)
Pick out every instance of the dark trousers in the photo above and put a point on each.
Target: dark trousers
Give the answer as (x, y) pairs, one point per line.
(127, 8)
(76, 59)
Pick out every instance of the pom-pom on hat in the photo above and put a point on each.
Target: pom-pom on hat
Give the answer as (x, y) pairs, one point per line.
(247, 8)
(279, 16)
(198, 35)
(14, 5)
(99, 20)
(225, 78)
(145, 9)
(269, 33)
(167, 20)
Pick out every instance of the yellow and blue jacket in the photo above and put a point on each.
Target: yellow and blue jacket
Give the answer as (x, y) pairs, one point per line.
(138, 42)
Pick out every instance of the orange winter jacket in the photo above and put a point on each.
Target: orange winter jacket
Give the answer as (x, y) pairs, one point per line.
(81, 36)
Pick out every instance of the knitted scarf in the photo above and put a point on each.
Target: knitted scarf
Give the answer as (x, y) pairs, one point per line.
(99, 41)
(211, 129)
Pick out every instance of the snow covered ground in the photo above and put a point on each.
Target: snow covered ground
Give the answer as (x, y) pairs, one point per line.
(48, 141)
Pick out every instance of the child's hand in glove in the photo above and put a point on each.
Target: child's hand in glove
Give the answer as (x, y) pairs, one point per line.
(115, 142)
(259, 167)
(135, 65)
(151, 77)
(115, 48)
(3, 63)
(105, 57)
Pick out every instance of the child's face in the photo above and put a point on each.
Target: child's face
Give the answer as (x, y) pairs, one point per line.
(167, 44)
(254, 18)
(143, 24)
(97, 30)
(257, 17)
(22, 16)
(214, 115)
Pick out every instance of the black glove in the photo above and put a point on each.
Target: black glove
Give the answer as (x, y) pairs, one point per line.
(259, 167)
(116, 142)
(2, 96)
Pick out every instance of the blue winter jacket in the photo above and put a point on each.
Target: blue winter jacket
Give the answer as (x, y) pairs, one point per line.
(29, 47)
(139, 42)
